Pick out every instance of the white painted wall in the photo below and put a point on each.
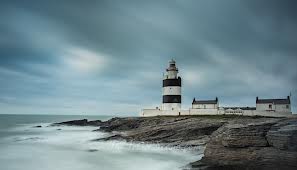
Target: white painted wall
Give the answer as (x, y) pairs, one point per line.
(150, 112)
(203, 111)
(157, 112)
(274, 107)
(171, 113)
(171, 106)
(171, 90)
(283, 108)
(204, 106)
(185, 112)
(264, 107)
(172, 74)
(234, 112)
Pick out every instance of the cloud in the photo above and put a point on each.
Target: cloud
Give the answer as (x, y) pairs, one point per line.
(105, 53)
(193, 77)
(84, 61)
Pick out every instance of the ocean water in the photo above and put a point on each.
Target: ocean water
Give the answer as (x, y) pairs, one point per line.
(23, 147)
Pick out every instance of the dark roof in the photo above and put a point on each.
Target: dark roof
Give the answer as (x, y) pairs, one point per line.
(242, 108)
(205, 101)
(274, 101)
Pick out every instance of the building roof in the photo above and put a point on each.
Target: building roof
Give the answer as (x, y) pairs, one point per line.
(274, 101)
(205, 101)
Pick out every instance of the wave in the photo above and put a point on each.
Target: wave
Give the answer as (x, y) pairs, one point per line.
(73, 148)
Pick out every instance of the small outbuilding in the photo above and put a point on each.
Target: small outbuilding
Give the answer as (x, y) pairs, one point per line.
(205, 104)
(274, 105)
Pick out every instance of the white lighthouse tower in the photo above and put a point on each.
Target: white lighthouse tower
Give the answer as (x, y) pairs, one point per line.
(171, 88)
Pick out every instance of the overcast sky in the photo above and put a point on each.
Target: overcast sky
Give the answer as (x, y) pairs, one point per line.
(107, 57)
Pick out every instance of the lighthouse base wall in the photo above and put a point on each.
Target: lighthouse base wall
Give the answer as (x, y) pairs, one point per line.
(157, 112)
(171, 106)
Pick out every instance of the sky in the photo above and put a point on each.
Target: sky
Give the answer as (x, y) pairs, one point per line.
(107, 57)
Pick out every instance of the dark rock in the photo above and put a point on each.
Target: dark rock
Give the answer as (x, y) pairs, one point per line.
(284, 135)
(38, 126)
(94, 123)
(92, 150)
(269, 144)
(240, 136)
(82, 122)
(173, 131)
(113, 137)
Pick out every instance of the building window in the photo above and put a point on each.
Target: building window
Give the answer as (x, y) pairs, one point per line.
(204, 107)
(287, 106)
(270, 106)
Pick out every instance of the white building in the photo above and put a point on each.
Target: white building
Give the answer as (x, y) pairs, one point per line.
(204, 107)
(205, 104)
(274, 105)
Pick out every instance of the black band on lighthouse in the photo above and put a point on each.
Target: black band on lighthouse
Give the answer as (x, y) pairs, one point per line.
(172, 82)
(172, 99)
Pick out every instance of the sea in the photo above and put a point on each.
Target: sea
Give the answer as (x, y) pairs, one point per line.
(23, 146)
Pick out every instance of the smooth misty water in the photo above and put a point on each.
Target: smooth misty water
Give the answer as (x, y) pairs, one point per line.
(23, 147)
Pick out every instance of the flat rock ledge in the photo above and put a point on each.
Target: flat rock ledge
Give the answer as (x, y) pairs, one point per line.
(181, 132)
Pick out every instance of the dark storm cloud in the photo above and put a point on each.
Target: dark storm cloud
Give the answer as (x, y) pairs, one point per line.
(232, 49)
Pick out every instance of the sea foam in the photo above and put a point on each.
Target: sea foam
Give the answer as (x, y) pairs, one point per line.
(74, 148)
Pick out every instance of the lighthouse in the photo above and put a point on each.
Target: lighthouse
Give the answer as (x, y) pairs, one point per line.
(171, 91)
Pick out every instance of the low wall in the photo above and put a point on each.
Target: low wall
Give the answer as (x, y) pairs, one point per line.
(258, 113)
(272, 114)
(150, 112)
(157, 112)
(203, 111)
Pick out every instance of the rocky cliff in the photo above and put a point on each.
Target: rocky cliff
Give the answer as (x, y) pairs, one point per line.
(232, 142)
(267, 144)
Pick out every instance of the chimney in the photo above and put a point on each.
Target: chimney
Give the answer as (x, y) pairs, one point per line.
(194, 100)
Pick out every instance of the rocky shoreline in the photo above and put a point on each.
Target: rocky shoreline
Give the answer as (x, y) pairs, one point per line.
(231, 142)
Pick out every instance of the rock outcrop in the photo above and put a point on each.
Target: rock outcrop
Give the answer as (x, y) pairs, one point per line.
(170, 131)
(269, 144)
(82, 122)
(232, 142)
